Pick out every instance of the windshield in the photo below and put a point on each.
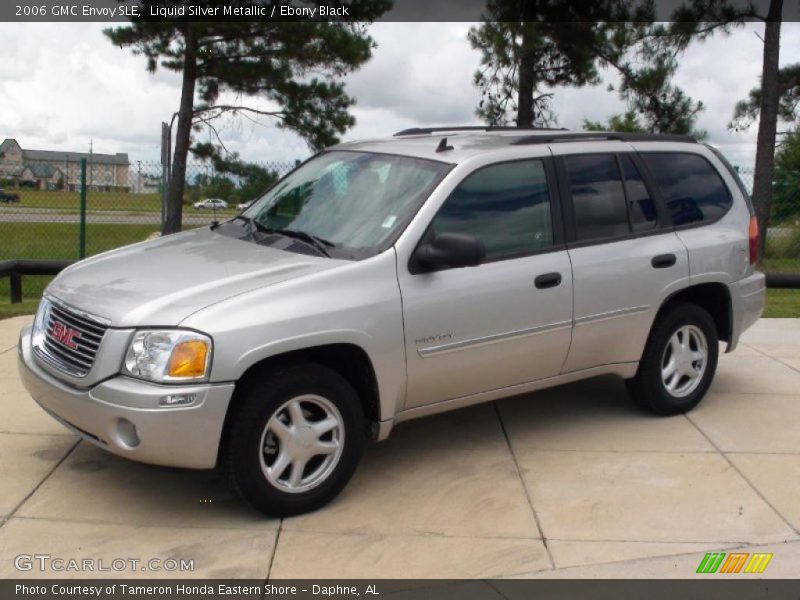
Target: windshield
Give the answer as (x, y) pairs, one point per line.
(355, 202)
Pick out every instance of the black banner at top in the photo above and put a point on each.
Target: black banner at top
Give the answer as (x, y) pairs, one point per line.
(323, 10)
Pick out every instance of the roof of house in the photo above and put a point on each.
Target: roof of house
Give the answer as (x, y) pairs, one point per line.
(120, 158)
(41, 171)
(6, 144)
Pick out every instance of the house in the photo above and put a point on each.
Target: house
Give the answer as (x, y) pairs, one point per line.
(55, 169)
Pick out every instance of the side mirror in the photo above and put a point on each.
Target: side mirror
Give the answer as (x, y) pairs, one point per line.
(450, 250)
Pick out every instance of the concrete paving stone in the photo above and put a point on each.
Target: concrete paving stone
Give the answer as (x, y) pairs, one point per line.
(411, 489)
(755, 375)
(742, 349)
(794, 363)
(653, 497)
(10, 328)
(568, 553)
(21, 414)
(94, 485)
(25, 460)
(776, 477)
(785, 564)
(595, 414)
(749, 422)
(303, 554)
(8, 365)
(215, 553)
(775, 337)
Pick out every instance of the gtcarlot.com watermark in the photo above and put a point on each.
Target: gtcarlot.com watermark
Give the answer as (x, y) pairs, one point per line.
(46, 563)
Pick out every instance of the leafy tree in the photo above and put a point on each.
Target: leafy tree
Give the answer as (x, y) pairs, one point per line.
(627, 122)
(253, 179)
(747, 111)
(295, 65)
(786, 191)
(528, 46)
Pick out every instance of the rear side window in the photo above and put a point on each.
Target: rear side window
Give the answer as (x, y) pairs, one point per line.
(641, 208)
(598, 199)
(692, 189)
(506, 206)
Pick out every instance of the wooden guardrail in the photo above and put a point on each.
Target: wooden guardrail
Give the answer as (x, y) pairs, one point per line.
(15, 269)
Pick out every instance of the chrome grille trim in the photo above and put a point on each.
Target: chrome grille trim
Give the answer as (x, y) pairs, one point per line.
(77, 361)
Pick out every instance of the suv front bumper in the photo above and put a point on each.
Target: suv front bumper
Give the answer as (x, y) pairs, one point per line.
(123, 416)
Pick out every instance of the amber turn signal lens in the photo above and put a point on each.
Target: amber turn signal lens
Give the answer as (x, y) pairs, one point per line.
(188, 359)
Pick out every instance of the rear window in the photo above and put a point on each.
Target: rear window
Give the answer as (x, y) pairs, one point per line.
(691, 188)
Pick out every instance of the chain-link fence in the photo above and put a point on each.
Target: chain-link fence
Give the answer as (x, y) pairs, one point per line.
(40, 209)
(40, 206)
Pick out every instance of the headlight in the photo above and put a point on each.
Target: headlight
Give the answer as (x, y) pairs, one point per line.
(168, 356)
(39, 323)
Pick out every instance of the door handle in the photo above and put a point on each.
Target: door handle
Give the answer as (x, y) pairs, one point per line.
(663, 261)
(547, 280)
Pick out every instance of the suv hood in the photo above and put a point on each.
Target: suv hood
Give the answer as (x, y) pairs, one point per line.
(162, 282)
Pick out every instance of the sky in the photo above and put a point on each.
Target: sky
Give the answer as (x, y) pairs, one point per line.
(65, 85)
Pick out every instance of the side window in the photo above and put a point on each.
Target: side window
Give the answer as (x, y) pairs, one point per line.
(598, 199)
(506, 206)
(641, 208)
(692, 189)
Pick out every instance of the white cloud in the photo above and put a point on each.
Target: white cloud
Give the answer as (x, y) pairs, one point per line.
(66, 84)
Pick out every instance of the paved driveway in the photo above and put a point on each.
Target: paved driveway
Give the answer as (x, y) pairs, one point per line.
(569, 482)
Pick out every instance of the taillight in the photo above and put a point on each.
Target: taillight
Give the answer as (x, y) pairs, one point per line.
(753, 236)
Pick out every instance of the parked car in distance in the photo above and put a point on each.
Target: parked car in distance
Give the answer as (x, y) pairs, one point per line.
(212, 203)
(8, 197)
(391, 279)
(245, 205)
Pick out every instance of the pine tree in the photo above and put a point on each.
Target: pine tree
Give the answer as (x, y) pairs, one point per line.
(297, 66)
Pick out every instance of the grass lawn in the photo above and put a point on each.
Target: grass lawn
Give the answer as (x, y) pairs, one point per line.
(69, 202)
(57, 241)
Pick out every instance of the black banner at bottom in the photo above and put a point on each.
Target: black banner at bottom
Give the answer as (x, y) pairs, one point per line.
(399, 589)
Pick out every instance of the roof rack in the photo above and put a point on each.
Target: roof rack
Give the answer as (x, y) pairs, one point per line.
(610, 136)
(428, 130)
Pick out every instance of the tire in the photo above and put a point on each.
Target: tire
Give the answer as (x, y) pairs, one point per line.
(267, 427)
(684, 343)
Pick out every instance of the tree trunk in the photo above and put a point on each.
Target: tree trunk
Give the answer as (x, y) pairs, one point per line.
(768, 120)
(177, 181)
(526, 66)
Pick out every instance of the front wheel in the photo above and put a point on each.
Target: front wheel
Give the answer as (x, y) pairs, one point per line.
(295, 440)
(679, 361)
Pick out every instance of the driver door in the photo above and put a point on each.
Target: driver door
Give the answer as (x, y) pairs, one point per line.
(507, 321)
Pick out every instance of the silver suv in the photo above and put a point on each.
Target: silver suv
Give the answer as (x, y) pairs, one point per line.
(391, 279)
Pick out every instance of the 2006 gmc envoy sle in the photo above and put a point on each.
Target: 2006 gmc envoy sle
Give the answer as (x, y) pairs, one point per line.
(390, 279)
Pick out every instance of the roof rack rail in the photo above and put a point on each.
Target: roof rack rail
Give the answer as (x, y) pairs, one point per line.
(597, 135)
(427, 130)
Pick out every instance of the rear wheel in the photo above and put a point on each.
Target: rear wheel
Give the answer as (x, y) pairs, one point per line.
(679, 361)
(295, 440)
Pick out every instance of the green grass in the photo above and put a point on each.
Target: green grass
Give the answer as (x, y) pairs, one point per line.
(782, 303)
(58, 241)
(69, 202)
(8, 310)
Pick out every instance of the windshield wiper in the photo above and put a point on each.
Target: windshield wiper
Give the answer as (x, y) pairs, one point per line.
(320, 244)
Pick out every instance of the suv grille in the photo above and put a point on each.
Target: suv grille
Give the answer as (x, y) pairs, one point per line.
(71, 340)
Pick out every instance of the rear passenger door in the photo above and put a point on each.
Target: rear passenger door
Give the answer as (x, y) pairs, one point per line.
(625, 259)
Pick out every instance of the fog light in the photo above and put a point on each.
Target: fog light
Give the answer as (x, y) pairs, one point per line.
(127, 434)
(177, 400)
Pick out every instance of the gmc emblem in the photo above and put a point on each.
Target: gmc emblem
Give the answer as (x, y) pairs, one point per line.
(65, 335)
